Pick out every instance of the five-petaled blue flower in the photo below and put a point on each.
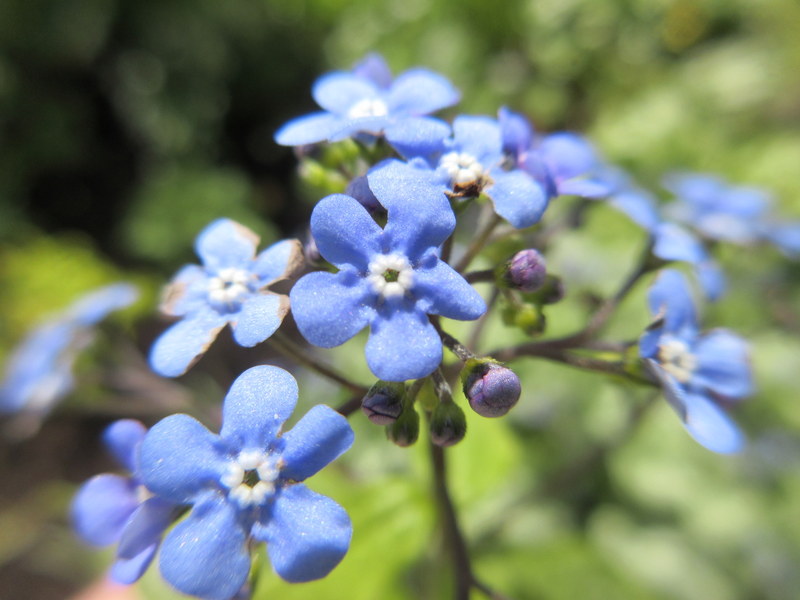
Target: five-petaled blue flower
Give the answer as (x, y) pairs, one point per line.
(112, 509)
(389, 279)
(564, 163)
(230, 287)
(699, 373)
(472, 162)
(367, 101)
(731, 213)
(39, 372)
(243, 485)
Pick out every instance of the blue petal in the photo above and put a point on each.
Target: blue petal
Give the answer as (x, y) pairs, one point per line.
(225, 243)
(670, 298)
(185, 341)
(320, 437)
(420, 92)
(101, 508)
(308, 534)
(344, 231)
(517, 197)
(145, 527)
(330, 309)
(187, 292)
(122, 438)
(38, 372)
(417, 136)
(568, 155)
(442, 291)
(705, 421)
(710, 425)
(256, 406)
(310, 129)
(374, 68)
(402, 343)
(787, 237)
(179, 458)
(337, 92)
(672, 242)
(420, 216)
(584, 187)
(516, 132)
(723, 364)
(639, 206)
(206, 554)
(711, 278)
(479, 137)
(94, 307)
(259, 318)
(128, 570)
(278, 261)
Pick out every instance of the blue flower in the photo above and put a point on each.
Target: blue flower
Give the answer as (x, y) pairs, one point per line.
(699, 373)
(389, 279)
(564, 163)
(112, 509)
(243, 485)
(670, 242)
(472, 162)
(230, 288)
(368, 101)
(39, 372)
(721, 211)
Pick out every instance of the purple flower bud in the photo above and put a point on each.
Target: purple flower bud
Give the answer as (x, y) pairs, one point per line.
(384, 402)
(526, 271)
(448, 424)
(492, 389)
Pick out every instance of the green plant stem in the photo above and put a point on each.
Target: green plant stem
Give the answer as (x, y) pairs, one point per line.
(464, 578)
(288, 348)
(478, 242)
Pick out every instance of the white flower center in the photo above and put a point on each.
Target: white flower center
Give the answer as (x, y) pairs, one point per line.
(368, 107)
(251, 477)
(390, 275)
(229, 286)
(462, 168)
(676, 359)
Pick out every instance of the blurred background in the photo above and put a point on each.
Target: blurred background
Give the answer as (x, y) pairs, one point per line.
(126, 126)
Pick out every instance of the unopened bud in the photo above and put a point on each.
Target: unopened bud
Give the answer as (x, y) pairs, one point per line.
(491, 388)
(526, 271)
(528, 317)
(384, 402)
(405, 430)
(448, 424)
(552, 290)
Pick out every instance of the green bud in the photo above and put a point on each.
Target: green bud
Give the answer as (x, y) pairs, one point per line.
(405, 430)
(448, 424)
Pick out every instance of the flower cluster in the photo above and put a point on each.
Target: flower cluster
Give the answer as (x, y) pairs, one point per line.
(390, 252)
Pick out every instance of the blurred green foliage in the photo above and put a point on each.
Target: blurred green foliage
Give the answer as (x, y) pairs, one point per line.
(125, 126)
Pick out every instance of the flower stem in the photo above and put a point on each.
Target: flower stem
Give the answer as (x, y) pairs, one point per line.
(288, 348)
(464, 577)
(478, 242)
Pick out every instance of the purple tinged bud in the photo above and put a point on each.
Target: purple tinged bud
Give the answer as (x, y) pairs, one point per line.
(526, 271)
(491, 388)
(383, 403)
(448, 424)
(311, 252)
(405, 430)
